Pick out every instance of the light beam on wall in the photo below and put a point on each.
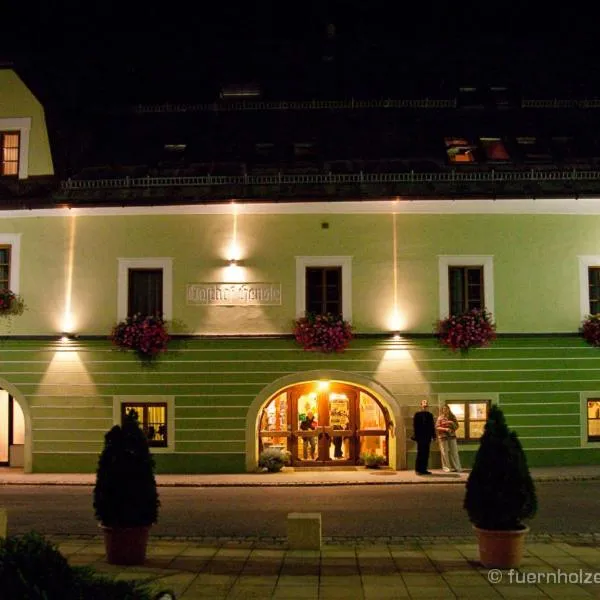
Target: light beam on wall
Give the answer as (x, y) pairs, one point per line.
(68, 322)
(395, 320)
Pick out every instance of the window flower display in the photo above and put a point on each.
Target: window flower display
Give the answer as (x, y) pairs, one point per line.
(323, 333)
(472, 329)
(10, 303)
(590, 329)
(146, 335)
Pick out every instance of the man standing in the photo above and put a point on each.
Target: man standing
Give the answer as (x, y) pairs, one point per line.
(424, 432)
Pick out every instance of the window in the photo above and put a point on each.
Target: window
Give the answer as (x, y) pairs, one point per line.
(4, 267)
(324, 284)
(153, 419)
(145, 292)
(494, 149)
(593, 419)
(594, 289)
(324, 290)
(10, 251)
(471, 416)
(145, 286)
(9, 153)
(459, 150)
(466, 288)
(14, 158)
(465, 282)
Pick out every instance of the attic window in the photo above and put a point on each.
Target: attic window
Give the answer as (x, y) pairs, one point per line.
(175, 147)
(459, 150)
(494, 149)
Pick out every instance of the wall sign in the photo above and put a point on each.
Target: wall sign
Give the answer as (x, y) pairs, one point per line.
(234, 294)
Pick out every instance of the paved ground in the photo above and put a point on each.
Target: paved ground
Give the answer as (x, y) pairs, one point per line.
(560, 567)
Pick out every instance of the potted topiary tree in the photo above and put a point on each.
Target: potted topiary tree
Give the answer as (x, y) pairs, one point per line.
(500, 494)
(125, 495)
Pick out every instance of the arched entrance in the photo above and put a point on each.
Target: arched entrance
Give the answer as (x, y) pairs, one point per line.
(15, 428)
(325, 419)
(324, 423)
(12, 432)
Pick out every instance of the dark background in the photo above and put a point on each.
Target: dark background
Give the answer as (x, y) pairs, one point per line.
(127, 52)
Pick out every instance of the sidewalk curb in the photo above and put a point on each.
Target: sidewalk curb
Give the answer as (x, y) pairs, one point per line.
(192, 484)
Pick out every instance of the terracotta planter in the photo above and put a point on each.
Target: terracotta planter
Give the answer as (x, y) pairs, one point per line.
(501, 549)
(125, 545)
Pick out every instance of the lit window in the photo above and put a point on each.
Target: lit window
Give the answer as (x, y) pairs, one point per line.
(9, 153)
(471, 416)
(153, 420)
(459, 150)
(466, 288)
(593, 420)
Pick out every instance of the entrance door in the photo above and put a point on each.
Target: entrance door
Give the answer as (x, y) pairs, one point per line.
(323, 418)
(12, 431)
(324, 423)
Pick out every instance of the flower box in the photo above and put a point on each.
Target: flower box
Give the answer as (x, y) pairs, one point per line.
(590, 329)
(10, 304)
(323, 333)
(146, 335)
(472, 329)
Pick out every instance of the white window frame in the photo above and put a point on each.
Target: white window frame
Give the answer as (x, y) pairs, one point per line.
(345, 262)
(23, 126)
(166, 264)
(118, 402)
(445, 261)
(585, 262)
(14, 241)
(584, 397)
(492, 398)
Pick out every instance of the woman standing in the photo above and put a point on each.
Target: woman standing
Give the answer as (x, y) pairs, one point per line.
(445, 427)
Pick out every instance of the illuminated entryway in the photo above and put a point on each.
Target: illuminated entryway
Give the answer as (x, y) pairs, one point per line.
(324, 423)
(12, 431)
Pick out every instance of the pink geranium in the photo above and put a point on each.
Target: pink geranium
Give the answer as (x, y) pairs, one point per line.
(146, 335)
(590, 329)
(324, 333)
(472, 329)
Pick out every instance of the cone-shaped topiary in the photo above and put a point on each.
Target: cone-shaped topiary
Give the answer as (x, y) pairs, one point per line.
(125, 494)
(500, 492)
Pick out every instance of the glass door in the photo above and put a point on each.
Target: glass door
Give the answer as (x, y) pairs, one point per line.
(323, 425)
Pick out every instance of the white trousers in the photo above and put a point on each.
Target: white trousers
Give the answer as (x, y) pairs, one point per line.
(449, 454)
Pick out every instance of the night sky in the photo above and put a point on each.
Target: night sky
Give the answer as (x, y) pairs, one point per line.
(123, 53)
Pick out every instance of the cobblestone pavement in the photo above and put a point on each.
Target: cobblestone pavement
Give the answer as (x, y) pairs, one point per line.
(557, 567)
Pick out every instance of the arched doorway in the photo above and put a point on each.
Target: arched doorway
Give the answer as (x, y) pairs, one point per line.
(325, 423)
(12, 432)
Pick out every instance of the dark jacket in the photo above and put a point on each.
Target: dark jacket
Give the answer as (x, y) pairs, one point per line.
(423, 426)
(307, 424)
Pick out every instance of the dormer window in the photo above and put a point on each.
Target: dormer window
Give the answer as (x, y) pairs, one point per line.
(9, 153)
(494, 149)
(459, 150)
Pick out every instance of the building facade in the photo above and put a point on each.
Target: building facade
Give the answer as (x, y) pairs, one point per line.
(231, 276)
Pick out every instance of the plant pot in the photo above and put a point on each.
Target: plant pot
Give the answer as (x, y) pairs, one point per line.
(501, 549)
(126, 545)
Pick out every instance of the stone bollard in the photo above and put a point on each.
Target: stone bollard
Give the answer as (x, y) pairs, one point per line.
(304, 531)
(3, 523)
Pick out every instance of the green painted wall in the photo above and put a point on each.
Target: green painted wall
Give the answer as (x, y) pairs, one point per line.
(71, 260)
(17, 101)
(68, 390)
